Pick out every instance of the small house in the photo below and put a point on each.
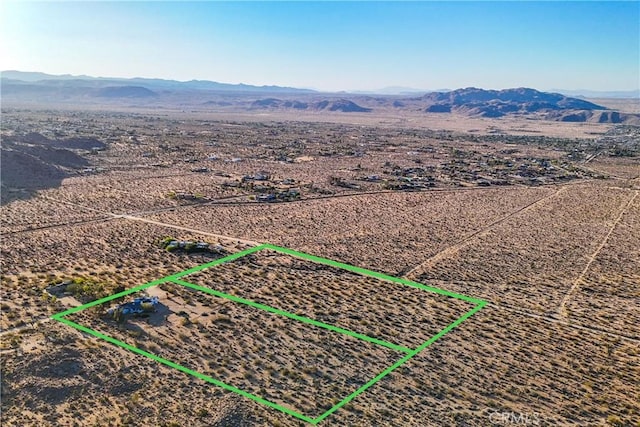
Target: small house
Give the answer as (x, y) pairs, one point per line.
(261, 176)
(137, 306)
(266, 197)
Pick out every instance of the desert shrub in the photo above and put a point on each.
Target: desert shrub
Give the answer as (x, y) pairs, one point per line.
(86, 288)
(75, 288)
(14, 342)
(613, 420)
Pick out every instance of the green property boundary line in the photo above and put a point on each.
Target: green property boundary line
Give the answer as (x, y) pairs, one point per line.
(175, 278)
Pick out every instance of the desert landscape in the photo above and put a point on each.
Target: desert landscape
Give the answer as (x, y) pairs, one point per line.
(319, 213)
(538, 218)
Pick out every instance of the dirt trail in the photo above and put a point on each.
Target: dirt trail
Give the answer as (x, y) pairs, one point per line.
(237, 200)
(562, 311)
(112, 215)
(578, 326)
(191, 230)
(451, 250)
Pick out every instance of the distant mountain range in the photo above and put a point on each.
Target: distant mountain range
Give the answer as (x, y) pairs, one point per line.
(472, 102)
(41, 80)
(160, 84)
(40, 88)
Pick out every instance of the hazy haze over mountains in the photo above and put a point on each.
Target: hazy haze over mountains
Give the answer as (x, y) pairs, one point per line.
(41, 88)
(43, 79)
(39, 77)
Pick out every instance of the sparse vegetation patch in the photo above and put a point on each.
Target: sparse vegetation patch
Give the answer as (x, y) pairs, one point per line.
(339, 363)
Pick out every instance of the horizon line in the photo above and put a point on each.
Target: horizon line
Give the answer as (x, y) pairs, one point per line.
(401, 90)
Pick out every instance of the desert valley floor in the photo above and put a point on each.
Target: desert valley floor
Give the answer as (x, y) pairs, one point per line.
(544, 227)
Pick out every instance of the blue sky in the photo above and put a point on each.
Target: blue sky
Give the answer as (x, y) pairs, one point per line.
(332, 45)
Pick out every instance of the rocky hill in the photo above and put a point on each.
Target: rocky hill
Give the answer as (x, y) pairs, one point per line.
(497, 103)
(32, 161)
(339, 105)
(594, 116)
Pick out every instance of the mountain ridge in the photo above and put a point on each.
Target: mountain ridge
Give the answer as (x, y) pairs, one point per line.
(498, 103)
(38, 78)
(41, 88)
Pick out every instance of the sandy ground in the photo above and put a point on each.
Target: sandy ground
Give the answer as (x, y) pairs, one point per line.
(523, 248)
